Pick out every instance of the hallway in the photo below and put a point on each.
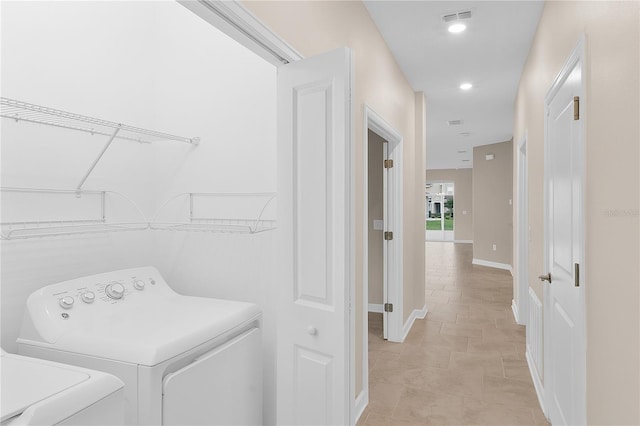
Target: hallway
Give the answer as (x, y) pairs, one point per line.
(464, 363)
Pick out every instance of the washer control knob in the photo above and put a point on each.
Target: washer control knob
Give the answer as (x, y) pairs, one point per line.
(115, 290)
(88, 297)
(67, 302)
(138, 285)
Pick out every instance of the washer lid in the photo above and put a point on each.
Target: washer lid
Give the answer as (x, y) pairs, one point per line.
(132, 316)
(150, 333)
(26, 382)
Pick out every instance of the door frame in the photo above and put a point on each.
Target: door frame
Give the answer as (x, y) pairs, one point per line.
(520, 305)
(577, 56)
(233, 19)
(374, 122)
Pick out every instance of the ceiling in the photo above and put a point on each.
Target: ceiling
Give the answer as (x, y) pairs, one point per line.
(490, 54)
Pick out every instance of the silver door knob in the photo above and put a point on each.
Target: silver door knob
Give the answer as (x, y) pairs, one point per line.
(546, 277)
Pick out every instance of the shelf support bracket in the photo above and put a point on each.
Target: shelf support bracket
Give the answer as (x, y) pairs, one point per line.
(95, 162)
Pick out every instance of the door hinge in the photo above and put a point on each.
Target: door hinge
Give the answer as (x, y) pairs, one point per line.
(576, 107)
(576, 275)
(388, 235)
(388, 307)
(388, 164)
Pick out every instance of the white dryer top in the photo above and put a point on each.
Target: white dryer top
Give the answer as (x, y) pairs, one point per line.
(29, 382)
(130, 315)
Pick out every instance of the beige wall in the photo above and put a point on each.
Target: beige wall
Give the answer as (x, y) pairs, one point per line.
(492, 203)
(462, 188)
(612, 187)
(314, 27)
(376, 211)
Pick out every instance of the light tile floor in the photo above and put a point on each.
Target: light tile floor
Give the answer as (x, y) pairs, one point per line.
(464, 363)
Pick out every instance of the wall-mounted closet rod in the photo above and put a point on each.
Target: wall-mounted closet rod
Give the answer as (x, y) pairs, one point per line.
(95, 162)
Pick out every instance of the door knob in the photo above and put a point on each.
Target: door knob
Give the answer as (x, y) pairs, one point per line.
(312, 330)
(545, 277)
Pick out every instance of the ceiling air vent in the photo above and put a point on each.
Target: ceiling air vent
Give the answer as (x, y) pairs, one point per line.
(456, 16)
(454, 122)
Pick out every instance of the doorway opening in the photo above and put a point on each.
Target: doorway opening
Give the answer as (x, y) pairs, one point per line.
(440, 221)
(378, 152)
(382, 237)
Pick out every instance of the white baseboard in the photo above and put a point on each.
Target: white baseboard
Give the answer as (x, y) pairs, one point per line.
(463, 241)
(416, 314)
(514, 308)
(361, 403)
(376, 307)
(490, 264)
(537, 384)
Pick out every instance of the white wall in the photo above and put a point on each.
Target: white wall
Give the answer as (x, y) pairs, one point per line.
(148, 64)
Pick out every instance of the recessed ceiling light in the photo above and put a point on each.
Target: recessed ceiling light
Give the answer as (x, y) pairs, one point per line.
(456, 28)
(466, 86)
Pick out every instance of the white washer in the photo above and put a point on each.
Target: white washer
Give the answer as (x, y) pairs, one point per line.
(39, 392)
(184, 360)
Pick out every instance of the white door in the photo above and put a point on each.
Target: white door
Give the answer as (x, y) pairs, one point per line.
(386, 249)
(315, 220)
(564, 361)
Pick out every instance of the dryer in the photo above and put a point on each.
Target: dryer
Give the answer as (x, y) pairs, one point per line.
(39, 392)
(184, 360)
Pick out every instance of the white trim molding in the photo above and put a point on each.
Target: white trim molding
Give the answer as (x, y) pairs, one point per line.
(235, 20)
(362, 400)
(516, 314)
(521, 242)
(537, 384)
(490, 264)
(533, 353)
(463, 241)
(415, 314)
